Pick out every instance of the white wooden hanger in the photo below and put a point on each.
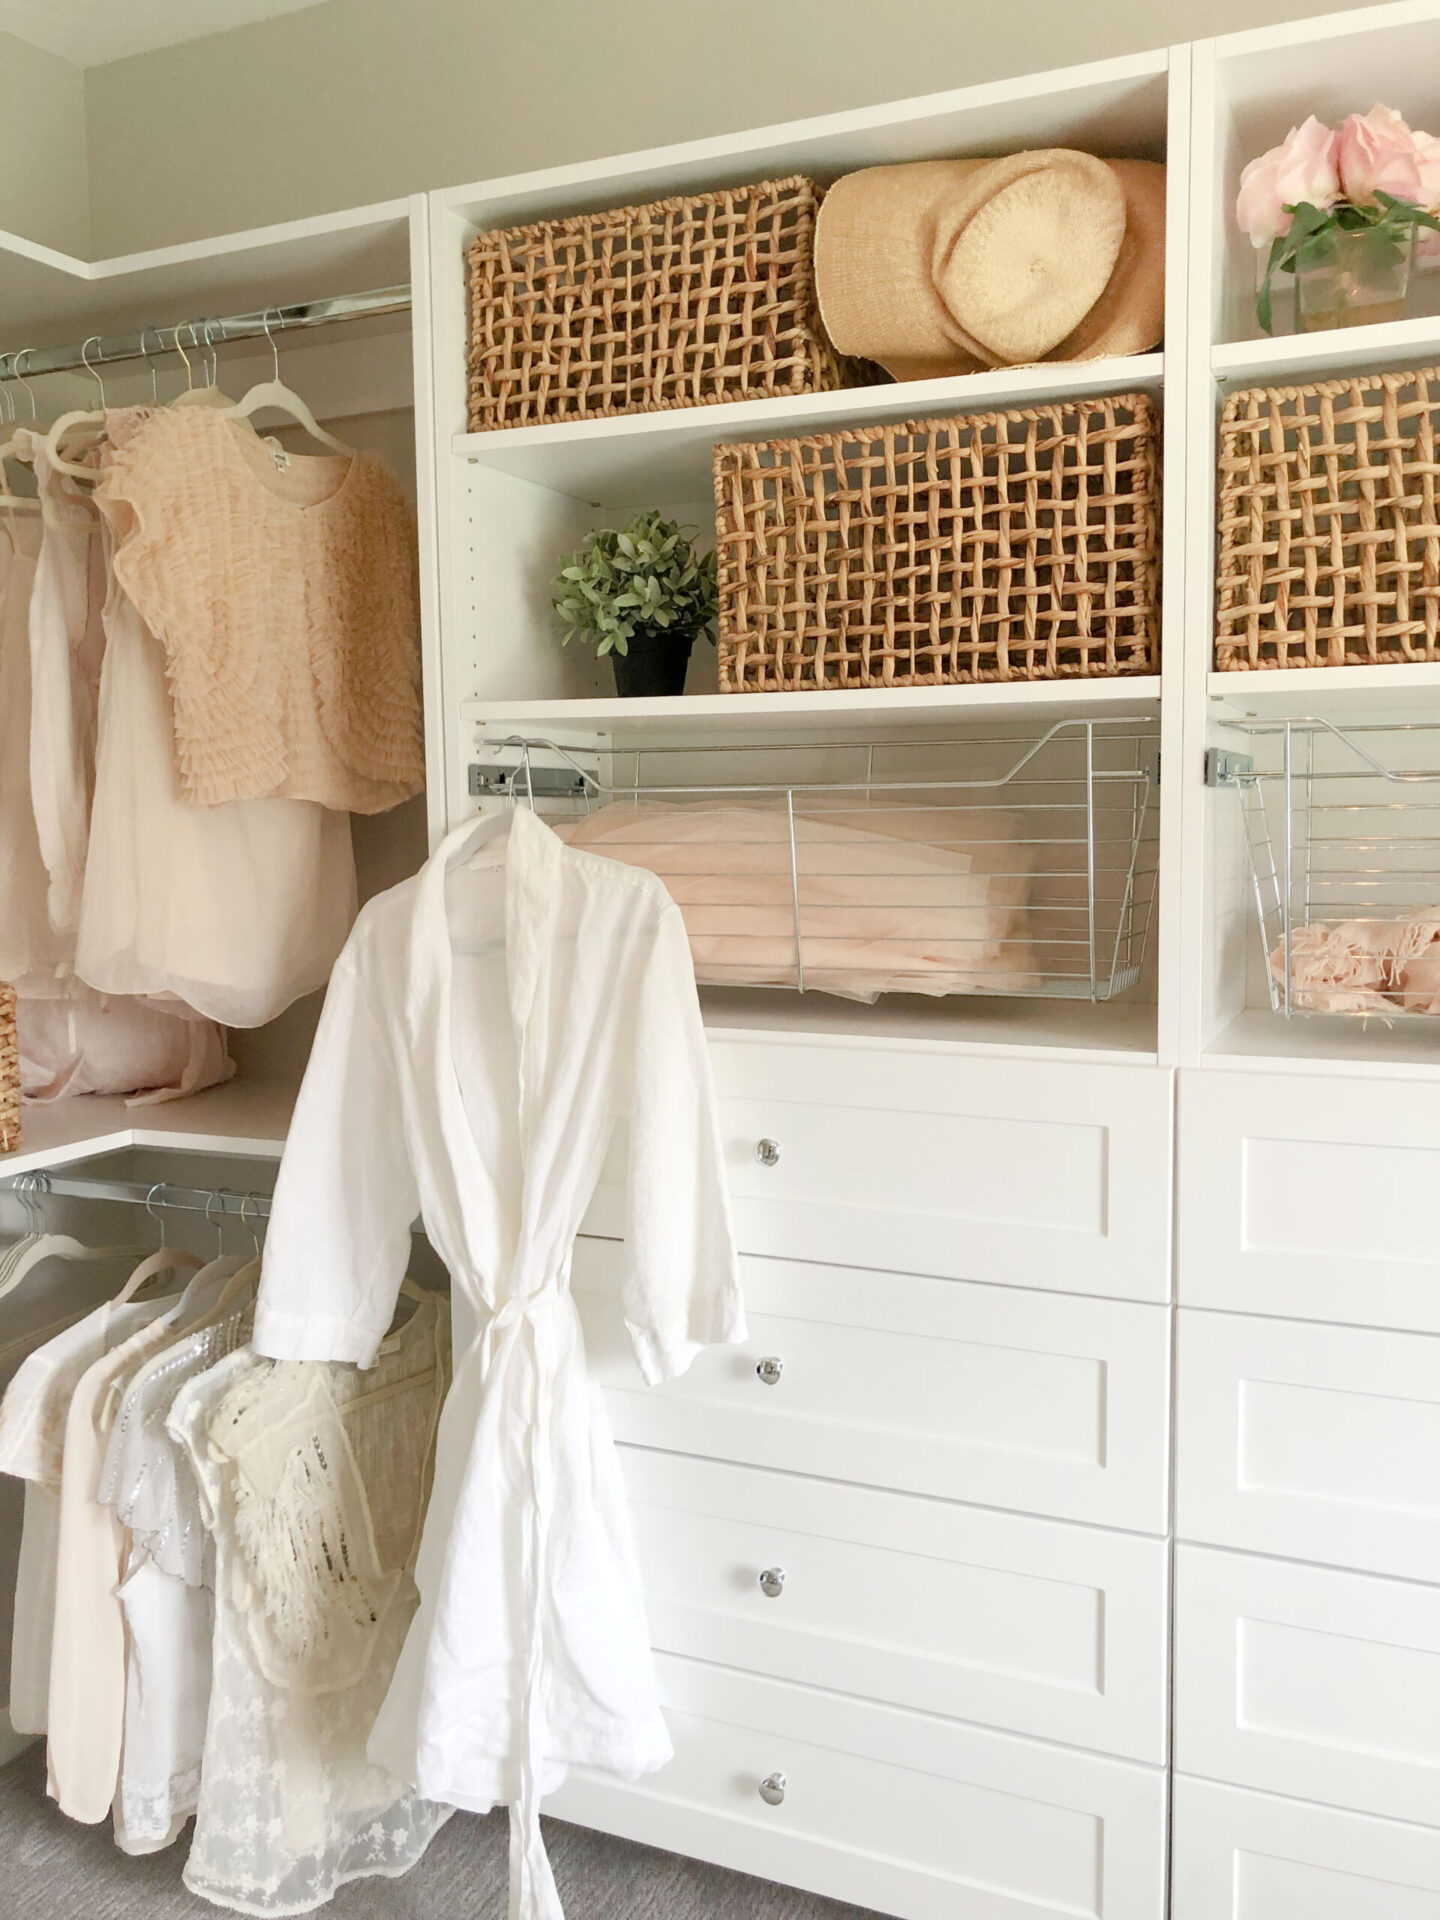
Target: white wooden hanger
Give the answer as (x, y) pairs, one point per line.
(17, 361)
(274, 393)
(164, 1260)
(69, 424)
(12, 502)
(21, 1258)
(208, 393)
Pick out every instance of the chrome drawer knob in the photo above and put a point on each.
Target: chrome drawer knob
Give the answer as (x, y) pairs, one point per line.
(772, 1582)
(772, 1789)
(767, 1152)
(770, 1369)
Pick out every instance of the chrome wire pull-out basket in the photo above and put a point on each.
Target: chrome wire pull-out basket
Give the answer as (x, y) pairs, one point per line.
(992, 864)
(1342, 840)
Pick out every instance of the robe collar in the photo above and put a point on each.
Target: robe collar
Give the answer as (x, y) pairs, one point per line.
(533, 858)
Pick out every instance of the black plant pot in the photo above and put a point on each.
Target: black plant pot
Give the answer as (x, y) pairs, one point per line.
(656, 663)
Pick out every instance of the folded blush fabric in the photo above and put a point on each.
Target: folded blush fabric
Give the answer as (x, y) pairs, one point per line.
(1365, 966)
(887, 903)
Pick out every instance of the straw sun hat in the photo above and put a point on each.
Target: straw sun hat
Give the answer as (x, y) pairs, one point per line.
(947, 266)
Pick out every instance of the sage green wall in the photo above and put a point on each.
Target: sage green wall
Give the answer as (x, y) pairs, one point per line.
(44, 173)
(359, 100)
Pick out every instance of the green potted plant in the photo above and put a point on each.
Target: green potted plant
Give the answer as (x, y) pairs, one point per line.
(642, 594)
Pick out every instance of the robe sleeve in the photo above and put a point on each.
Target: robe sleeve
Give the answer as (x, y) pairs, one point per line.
(339, 1237)
(681, 1288)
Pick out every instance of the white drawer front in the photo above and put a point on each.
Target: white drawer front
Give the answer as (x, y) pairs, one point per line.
(1320, 1442)
(1313, 1197)
(1016, 1623)
(924, 1161)
(1308, 1682)
(1249, 1856)
(985, 1394)
(895, 1811)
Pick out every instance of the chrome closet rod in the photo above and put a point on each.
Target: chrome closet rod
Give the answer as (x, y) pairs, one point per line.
(150, 341)
(221, 1203)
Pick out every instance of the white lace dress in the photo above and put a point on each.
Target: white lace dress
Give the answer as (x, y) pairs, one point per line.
(313, 1596)
(167, 1594)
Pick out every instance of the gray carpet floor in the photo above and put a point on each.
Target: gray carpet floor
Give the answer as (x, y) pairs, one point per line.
(52, 1869)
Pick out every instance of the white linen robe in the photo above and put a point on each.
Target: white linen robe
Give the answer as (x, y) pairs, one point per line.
(486, 1027)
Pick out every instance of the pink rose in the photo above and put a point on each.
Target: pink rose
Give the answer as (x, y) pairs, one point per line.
(1303, 167)
(1427, 241)
(1427, 152)
(1378, 154)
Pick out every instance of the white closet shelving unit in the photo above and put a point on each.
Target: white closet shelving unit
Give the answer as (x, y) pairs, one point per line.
(510, 501)
(993, 1225)
(1307, 1601)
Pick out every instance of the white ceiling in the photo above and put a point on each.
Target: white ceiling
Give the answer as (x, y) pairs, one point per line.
(90, 33)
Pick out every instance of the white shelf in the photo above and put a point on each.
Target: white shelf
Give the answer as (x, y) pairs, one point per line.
(1328, 1043)
(666, 455)
(52, 299)
(832, 711)
(1073, 1030)
(1329, 693)
(247, 1118)
(1339, 350)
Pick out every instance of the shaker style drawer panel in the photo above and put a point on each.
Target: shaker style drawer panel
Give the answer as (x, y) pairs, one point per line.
(1016, 1623)
(1250, 1856)
(902, 1812)
(1315, 1441)
(1304, 1681)
(1309, 1196)
(985, 1394)
(923, 1161)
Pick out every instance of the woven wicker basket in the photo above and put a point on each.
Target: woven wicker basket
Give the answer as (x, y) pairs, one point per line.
(1002, 546)
(679, 304)
(1330, 524)
(9, 1074)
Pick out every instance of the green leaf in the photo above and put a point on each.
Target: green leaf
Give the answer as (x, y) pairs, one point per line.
(1279, 255)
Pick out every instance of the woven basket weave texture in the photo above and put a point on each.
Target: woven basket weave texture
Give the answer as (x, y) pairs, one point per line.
(999, 546)
(9, 1074)
(1329, 530)
(682, 303)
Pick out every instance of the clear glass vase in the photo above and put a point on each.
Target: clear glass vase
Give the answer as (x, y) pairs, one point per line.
(1353, 277)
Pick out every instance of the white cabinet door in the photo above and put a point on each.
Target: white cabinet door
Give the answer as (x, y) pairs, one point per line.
(1304, 1681)
(1315, 1441)
(900, 1812)
(1250, 1856)
(986, 1394)
(1310, 1196)
(1022, 1624)
(924, 1160)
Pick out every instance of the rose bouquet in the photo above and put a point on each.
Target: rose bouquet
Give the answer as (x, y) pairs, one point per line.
(1343, 206)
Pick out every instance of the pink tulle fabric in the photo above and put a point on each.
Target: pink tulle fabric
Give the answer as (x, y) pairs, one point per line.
(887, 905)
(1365, 966)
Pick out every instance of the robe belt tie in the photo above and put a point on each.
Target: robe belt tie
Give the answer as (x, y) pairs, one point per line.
(533, 1894)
